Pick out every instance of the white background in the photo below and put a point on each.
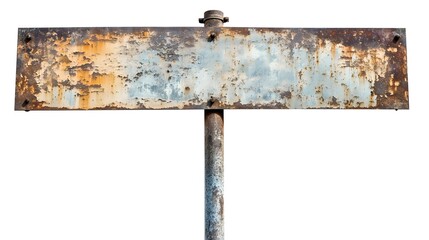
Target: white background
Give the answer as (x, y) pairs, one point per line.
(298, 174)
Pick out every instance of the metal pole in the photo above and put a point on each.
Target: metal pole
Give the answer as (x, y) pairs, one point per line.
(213, 140)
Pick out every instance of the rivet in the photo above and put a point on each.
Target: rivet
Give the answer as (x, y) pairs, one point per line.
(212, 37)
(27, 38)
(25, 103)
(396, 38)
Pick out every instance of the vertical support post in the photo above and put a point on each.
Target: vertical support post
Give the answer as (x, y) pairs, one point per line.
(213, 140)
(213, 174)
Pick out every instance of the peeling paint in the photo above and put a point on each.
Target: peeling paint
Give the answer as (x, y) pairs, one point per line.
(177, 68)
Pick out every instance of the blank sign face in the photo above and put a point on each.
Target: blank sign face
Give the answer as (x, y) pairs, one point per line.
(205, 68)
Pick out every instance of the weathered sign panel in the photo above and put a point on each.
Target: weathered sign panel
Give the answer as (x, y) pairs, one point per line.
(202, 68)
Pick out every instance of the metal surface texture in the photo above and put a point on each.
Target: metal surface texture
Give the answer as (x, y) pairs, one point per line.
(205, 68)
(214, 224)
(214, 134)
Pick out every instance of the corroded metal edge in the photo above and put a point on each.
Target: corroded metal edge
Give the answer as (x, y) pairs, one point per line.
(51, 75)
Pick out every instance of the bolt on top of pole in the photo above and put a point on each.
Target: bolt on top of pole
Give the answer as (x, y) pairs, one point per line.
(213, 18)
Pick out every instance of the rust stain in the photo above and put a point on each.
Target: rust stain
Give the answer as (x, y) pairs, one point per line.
(178, 68)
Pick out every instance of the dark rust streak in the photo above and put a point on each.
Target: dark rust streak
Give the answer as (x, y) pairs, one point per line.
(359, 38)
(83, 67)
(221, 202)
(286, 94)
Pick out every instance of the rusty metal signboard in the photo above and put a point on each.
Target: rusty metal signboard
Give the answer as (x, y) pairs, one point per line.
(206, 68)
(211, 68)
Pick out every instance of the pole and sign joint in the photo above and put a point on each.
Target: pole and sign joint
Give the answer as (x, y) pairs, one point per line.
(213, 131)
